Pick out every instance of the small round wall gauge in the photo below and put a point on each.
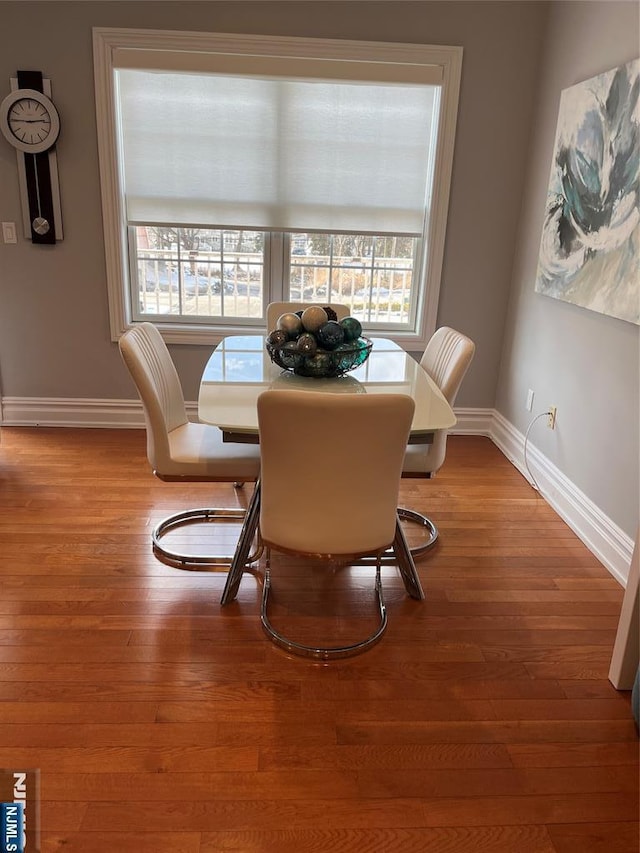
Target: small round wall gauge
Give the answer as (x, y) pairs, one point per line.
(29, 121)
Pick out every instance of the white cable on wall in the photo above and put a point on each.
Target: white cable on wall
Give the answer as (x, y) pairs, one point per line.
(534, 482)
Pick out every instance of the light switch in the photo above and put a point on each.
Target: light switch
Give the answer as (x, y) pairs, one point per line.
(9, 234)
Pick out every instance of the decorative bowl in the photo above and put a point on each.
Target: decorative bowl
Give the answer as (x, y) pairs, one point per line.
(325, 363)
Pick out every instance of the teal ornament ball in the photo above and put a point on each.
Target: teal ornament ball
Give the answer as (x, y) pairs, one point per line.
(330, 335)
(313, 317)
(291, 324)
(277, 338)
(289, 354)
(352, 328)
(307, 344)
(319, 364)
(363, 351)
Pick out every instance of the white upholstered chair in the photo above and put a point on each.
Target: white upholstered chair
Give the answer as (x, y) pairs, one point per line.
(350, 512)
(177, 449)
(275, 309)
(446, 359)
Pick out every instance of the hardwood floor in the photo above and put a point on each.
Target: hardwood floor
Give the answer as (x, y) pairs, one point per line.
(483, 722)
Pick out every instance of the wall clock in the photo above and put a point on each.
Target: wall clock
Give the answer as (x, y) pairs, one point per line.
(29, 121)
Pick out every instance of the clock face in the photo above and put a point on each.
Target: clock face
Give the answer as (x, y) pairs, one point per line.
(29, 120)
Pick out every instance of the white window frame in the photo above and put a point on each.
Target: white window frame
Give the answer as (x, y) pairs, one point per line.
(108, 41)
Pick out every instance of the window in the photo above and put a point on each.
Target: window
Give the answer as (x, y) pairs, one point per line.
(239, 170)
(196, 274)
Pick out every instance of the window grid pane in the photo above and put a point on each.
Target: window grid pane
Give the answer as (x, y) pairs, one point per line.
(373, 275)
(189, 272)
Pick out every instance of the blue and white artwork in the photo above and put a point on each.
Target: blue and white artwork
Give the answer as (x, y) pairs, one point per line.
(590, 247)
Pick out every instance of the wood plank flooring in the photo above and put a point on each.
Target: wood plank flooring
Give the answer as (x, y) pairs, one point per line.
(483, 722)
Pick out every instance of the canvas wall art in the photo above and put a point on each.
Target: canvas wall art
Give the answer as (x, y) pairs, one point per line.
(590, 246)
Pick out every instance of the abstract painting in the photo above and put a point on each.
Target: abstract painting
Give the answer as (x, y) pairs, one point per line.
(590, 246)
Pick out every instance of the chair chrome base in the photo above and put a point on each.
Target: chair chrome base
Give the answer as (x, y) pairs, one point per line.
(242, 556)
(320, 652)
(423, 521)
(194, 516)
(400, 555)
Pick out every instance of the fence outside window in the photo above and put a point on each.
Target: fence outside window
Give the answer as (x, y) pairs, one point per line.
(208, 284)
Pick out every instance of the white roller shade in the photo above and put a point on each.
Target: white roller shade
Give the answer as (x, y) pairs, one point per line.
(274, 153)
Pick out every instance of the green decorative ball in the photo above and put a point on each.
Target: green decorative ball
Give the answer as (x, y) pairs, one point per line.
(319, 364)
(363, 353)
(290, 355)
(352, 328)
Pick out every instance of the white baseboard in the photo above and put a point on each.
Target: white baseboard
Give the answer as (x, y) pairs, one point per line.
(598, 532)
(86, 413)
(473, 422)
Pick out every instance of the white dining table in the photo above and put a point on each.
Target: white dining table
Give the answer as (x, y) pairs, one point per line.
(240, 369)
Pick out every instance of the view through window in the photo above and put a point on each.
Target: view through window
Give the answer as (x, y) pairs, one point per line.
(207, 273)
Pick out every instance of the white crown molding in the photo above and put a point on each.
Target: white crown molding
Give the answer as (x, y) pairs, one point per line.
(598, 532)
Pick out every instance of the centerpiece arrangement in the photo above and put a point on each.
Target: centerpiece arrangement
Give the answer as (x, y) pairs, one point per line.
(313, 342)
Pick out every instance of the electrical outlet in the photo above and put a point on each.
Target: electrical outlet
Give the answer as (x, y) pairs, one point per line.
(551, 422)
(529, 400)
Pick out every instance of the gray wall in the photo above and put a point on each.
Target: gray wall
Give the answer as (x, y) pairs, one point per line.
(584, 363)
